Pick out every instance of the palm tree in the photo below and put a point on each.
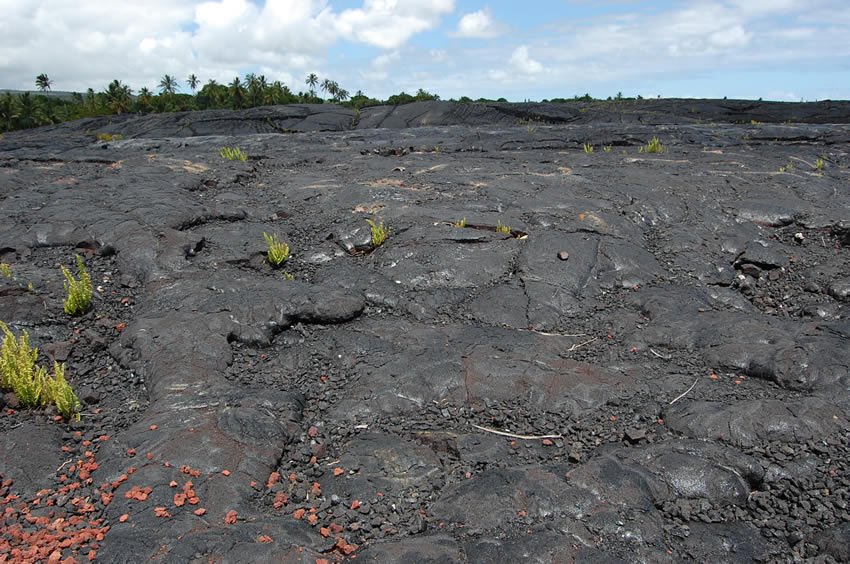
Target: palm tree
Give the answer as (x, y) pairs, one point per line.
(43, 82)
(342, 94)
(118, 97)
(168, 84)
(145, 97)
(327, 85)
(193, 82)
(237, 94)
(312, 81)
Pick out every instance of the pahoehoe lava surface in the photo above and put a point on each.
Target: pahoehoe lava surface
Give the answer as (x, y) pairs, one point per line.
(662, 339)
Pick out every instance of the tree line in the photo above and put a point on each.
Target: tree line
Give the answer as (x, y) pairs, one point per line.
(26, 110)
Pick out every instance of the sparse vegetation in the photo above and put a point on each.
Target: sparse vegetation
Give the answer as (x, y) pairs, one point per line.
(461, 224)
(379, 232)
(288, 276)
(5, 270)
(502, 228)
(278, 251)
(607, 148)
(109, 137)
(78, 290)
(30, 383)
(654, 146)
(787, 167)
(588, 148)
(233, 154)
(820, 163)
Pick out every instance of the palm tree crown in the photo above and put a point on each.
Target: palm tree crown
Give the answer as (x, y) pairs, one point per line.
(43, 82)
(193, 82)
(168, 84)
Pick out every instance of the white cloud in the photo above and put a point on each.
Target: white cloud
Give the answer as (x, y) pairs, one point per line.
(734, 36)
(521, 62)
(477, 25)
(87, 44)
(390, 23)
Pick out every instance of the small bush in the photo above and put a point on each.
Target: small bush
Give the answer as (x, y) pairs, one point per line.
(588, 148)
(233, 154)
(607, 148)
(654, 146)
(379, 232)
(60, 393)
(79, 290)
(30, 383)
(109, 137)
(461, 224)
(5, 270)
(278, 251)
(501, 228)
(820, 164)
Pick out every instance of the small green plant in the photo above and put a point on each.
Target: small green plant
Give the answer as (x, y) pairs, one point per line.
(79, 290)
(233, 154)
(502, 228)
(30, 382)
(820, 164)
(654, 146)
(5, 270)
(379, 232)
(278, 251)
(109, 137)
(787, 167)
(588, 148)
(755, 122)
(461, 224)
(62, 395)
(607, 148)
(288, 276)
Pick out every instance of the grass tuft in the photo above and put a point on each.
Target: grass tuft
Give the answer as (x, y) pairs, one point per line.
(278, 251)
(654, 146)
(588, 148)
(607, 148)
(5, 270)
(502, 228)
(380, 232)
(820, 164)
(233, 154)
(79, 290)
(461, 224)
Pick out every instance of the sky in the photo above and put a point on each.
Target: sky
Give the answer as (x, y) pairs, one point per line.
(787, 50)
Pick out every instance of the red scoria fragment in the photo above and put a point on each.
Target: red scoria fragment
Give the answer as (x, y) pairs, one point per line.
(230, 517)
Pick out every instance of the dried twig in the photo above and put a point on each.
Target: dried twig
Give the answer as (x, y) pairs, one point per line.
(579, 345)
(515, 436)
(659, 355)
(686, 392)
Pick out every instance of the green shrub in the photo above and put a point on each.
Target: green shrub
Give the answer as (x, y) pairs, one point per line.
(654, 146)
(461, 224)
(588, 148)
(5, 270)
(79, 290)
(820, 164)
(379, 232)
(30, 383)
(501, 228)
(59, 392)
(109, 137)
(233, 154)
(278, 251)
(18, 371)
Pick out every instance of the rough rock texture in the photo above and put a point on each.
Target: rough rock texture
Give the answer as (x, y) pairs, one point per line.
(555, 356)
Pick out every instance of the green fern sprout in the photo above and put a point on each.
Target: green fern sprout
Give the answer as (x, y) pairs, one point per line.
(654, 146)
(62, 395)
(278, 251)
(17, 360)
(233, 154)
(588, 148)
(379, 232)
(461, 224)
(501, 228)
(79, 290)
